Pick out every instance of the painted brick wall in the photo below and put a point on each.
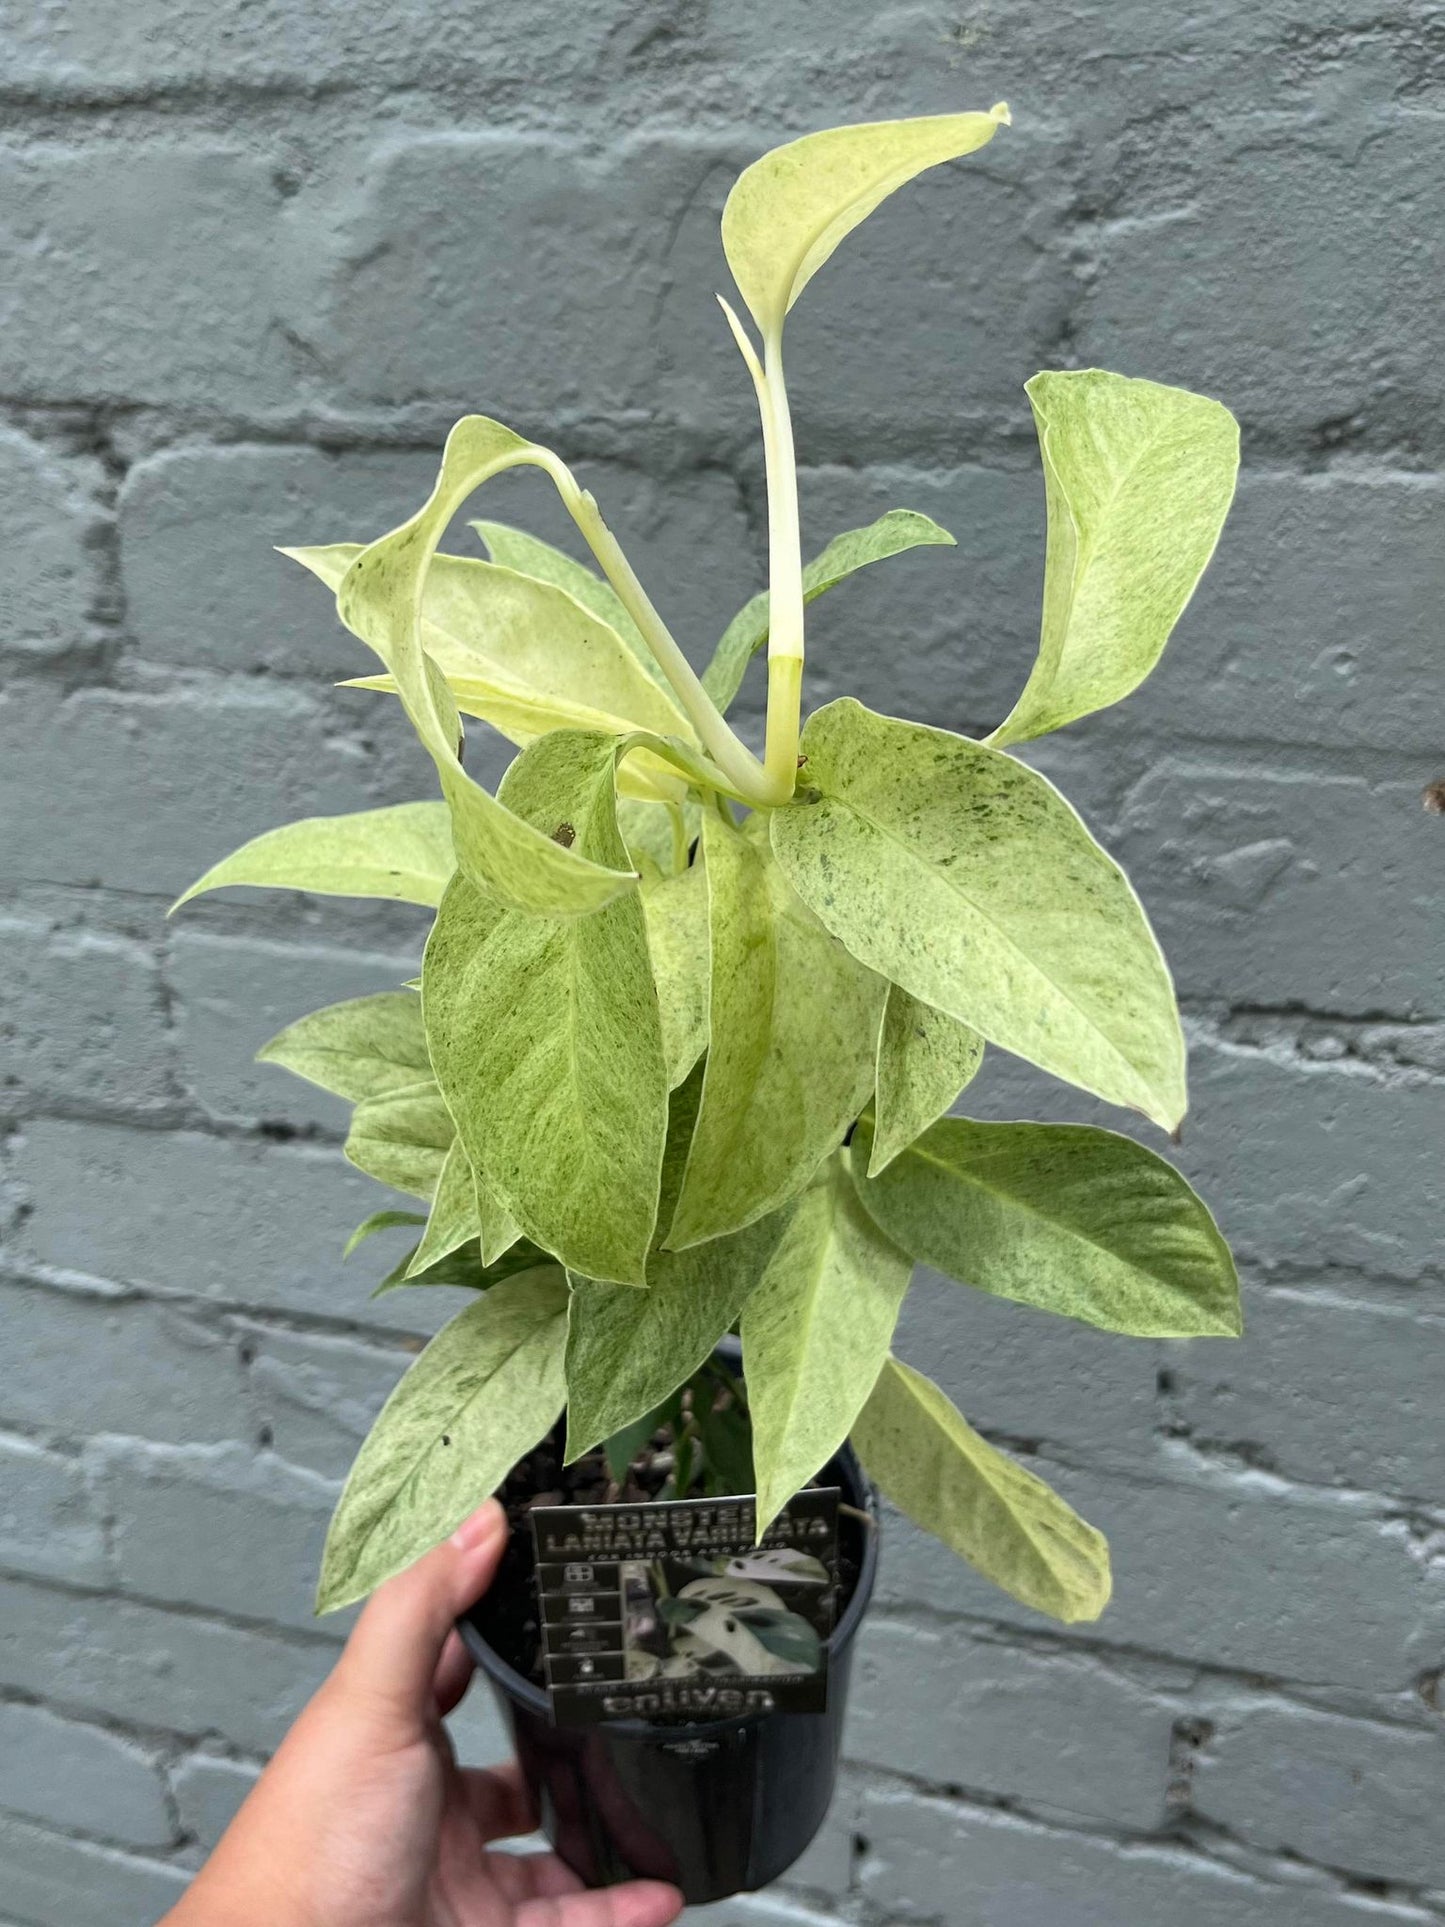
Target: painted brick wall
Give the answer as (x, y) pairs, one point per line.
(255, 259)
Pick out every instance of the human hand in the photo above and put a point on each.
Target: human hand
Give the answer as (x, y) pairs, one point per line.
(364, 1818)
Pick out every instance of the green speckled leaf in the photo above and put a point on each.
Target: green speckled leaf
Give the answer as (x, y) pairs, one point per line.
(361, 1048)
(627, 1350)
(484, 1391)
(789, 211)
(961, 874)
(982, 1504)
(546, 1036)
(925, 1058)
(1064, 1217)
(792, 1024)
(457, 1217)
(815, 1334)
(380, 599)
(402, 1138)
(529, 555)
(676, 915)
(1139, 479)
(404, 853)
(892, 534)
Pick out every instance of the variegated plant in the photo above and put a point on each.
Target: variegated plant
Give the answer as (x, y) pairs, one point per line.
(690, 1023)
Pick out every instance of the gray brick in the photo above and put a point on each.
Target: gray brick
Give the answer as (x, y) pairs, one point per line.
(316, 1396)
(209, 1789)
(933, 1861)
(452, 307)
(825, 1866)
(216, 1526)
(234, 994)
(1267, 277)
(1233, 1573)
(176, 1671)
(53, 1881)
(1324, 1390)
(1048, 1729)
(198, 530)
(1345, 1793)
(85, 1019)
(80, 1777)
(1309, 627)
(1311, 1194)
(48, 1521)
(81, 45)
(1287, 887)
(170, 779)
(154, 273)
(249, 1223)
(83, 1362)
(50, 568)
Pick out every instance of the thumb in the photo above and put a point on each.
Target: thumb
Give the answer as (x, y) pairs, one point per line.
(392, 1654)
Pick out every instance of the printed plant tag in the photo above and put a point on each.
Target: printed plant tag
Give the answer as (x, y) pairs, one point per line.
(671, 1611)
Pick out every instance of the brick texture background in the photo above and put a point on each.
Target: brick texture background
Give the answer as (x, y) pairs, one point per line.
(256, 258)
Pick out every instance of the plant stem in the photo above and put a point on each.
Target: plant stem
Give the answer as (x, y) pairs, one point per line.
(785, 559)
(733, 757)
(785, 575)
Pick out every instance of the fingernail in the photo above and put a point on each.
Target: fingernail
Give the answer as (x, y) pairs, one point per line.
(484, 1524)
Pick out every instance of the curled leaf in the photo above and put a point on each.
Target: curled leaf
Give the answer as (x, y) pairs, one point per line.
(381, 599)
(1139, 478)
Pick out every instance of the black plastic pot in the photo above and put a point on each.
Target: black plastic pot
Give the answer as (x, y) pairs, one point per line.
(717, 1808)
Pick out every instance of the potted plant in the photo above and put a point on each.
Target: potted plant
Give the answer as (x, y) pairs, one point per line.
(674, 1082)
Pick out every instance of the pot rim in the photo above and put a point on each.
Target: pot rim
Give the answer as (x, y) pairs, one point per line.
(535, 1698)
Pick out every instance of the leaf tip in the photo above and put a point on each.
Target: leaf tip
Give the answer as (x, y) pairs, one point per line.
(198, 888)
(1230, 1323)
(332, 1590)
(1000, 112)
(1084, 1611)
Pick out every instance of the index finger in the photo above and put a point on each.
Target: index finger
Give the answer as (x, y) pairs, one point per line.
(639, 1903)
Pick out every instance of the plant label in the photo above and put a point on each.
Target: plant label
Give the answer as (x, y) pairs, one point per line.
(675, 1611)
